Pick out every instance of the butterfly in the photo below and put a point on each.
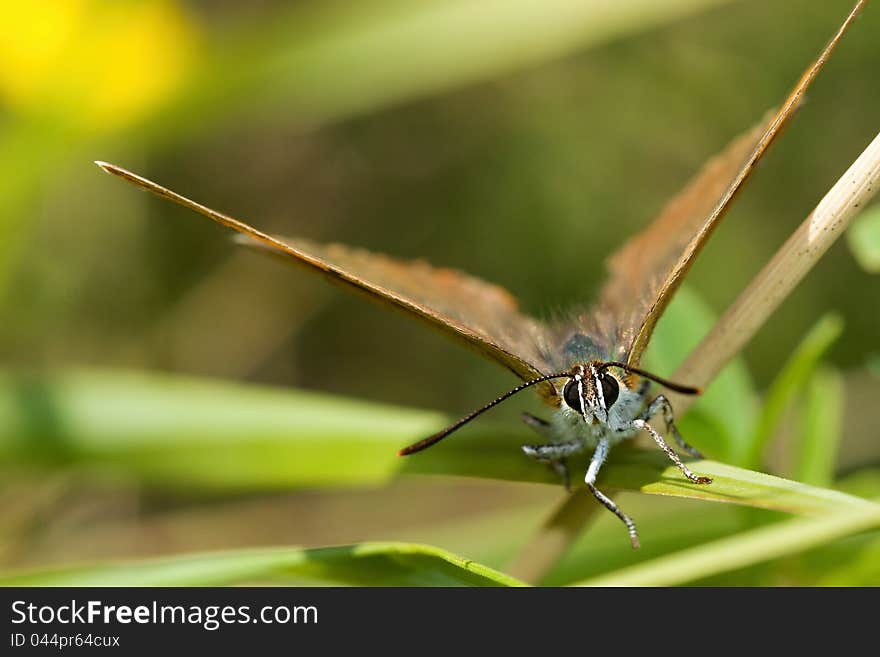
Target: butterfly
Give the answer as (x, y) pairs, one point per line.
(586, 367)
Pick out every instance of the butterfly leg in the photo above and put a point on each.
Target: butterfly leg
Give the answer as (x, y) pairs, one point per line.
(598, 459)
(697, 479)
(539, 425)
(659, 404)
(554, 454)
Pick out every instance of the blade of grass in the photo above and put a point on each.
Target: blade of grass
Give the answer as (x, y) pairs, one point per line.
(177, 432)
(743, 549)
(789, 383)
(365, 564)
(638, 472)
(816, 451)
(180, 432)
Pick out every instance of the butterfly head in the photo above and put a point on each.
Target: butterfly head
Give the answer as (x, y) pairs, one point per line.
(592, 390)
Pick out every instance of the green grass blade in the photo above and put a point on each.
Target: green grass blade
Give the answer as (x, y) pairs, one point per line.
(744, 549)
(647, 472)
(790, 382)
(365, 564)
(176, 432)
(816, 451)
(181, 432)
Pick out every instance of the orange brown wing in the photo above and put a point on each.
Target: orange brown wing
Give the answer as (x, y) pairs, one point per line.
(647, 270)
(633, 298)
(483, 316)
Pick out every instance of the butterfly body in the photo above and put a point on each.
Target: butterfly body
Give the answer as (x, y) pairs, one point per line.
(613, 424)
(606, 404)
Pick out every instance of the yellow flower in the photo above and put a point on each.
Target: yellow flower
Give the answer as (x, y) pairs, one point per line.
(93, 64)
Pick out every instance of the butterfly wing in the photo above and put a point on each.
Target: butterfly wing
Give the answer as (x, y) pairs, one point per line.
(484, 316)
(647, 270)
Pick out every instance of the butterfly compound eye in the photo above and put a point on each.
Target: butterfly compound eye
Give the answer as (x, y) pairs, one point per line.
(610, 389)
(570, 394)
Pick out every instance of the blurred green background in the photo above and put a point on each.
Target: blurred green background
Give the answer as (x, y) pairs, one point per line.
(521, 141)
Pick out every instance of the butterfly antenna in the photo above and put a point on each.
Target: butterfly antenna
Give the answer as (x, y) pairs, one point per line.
(440, 435)
(677, 387)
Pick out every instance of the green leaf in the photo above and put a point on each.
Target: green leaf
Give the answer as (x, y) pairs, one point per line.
(177, 431)
(863, 237)
(365, 564)
(822, 419)
(790, 382)
(185, 433)
(643, 471)
(744, 549)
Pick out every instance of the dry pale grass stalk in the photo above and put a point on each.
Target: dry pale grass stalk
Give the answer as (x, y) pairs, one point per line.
(783, 273)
